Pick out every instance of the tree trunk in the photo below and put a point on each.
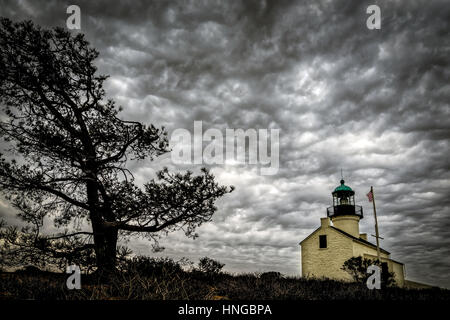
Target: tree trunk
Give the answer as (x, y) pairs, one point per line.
(105, 239)
(105, 242)
(106, 249)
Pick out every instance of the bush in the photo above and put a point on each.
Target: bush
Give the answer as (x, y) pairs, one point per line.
(357, 268)
(210, 266)
(31, 270)
(271, 275)
(149, 266)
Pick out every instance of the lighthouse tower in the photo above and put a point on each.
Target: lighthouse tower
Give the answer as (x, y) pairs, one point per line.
(344, 214)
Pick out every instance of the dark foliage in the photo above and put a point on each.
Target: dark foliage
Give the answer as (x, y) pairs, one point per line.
(270, 275)
(357, 268)
(31, 270)
(149, 266)
(149, 278)
(210, 266)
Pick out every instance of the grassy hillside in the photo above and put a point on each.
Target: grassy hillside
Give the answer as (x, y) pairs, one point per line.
(195, 285)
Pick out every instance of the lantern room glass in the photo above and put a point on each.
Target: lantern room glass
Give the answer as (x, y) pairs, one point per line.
(342, 198)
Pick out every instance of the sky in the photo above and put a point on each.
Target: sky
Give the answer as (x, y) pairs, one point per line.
(374, 103)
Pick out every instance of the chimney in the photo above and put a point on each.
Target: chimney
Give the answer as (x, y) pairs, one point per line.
(324, 222)
(363, 236)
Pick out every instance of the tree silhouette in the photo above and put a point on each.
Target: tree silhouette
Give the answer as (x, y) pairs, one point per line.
(66, 153)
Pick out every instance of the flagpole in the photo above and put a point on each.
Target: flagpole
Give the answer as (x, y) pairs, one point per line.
(376, 224)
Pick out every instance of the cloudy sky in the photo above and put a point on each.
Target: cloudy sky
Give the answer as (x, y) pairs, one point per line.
(374, 103)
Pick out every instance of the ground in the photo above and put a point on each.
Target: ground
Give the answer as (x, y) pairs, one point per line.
(200, 286)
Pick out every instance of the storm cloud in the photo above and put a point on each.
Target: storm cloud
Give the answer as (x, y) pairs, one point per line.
(374, 103)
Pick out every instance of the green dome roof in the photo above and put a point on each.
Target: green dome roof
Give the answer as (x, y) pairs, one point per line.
(343, 187)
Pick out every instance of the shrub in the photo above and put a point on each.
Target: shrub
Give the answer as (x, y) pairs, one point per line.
(210, 266)
(149, 266)
(31, 270)
(357, 268)
(271, 275)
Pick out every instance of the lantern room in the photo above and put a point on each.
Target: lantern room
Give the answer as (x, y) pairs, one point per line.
(344, 202)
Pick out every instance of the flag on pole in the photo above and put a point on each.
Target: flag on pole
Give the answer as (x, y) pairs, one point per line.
(370, 196)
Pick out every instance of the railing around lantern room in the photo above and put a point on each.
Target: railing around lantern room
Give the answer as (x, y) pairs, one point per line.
(343, 209)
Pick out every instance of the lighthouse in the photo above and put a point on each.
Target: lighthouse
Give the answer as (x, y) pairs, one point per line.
(344, 214)
(338, 239)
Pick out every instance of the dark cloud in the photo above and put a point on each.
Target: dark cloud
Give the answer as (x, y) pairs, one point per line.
(374, 103)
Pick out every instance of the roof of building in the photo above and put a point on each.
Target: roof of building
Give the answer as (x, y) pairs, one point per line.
(343, 187)
(310, 235)
(374, 256)
(360, 239)
(350, 236)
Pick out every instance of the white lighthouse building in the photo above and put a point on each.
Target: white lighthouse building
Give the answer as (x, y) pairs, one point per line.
(325, 250)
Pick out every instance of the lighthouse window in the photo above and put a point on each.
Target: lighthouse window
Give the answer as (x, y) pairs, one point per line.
(323, 242)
